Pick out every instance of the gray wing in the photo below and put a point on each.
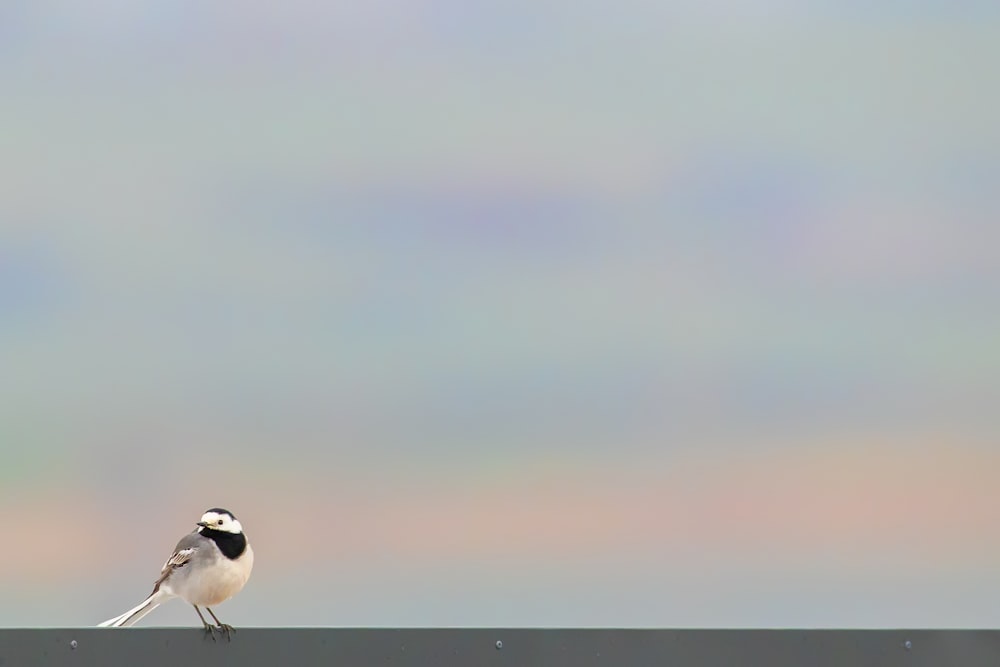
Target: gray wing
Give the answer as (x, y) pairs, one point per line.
(183, 552)
(192, 540)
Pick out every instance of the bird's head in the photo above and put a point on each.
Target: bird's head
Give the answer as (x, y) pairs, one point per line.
(220, 520)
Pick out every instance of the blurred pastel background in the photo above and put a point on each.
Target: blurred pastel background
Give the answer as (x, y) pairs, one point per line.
(523, 313)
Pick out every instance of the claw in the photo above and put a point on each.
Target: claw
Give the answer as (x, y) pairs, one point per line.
(210, 630)
(223, 627)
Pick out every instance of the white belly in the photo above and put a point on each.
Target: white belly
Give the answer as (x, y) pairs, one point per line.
(214, 585)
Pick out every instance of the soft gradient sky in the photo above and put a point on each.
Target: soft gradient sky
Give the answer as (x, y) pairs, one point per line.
(517, 313)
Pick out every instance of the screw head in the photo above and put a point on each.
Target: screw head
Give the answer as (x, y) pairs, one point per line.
(907, 644)
(73, 644)
(499, 644)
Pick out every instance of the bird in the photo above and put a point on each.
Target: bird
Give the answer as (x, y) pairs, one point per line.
(208, 566)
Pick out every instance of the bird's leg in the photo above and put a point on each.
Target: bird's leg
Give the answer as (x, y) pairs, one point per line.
(209, 629)
(225, 627)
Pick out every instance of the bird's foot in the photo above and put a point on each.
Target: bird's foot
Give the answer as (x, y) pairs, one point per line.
(228, 629)
(210, 631)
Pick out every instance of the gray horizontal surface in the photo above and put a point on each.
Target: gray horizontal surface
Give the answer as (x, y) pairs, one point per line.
(157, 647)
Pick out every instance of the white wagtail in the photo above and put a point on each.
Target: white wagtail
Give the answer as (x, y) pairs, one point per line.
(208, 566)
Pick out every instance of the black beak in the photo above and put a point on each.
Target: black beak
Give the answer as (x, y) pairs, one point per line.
(202, 524)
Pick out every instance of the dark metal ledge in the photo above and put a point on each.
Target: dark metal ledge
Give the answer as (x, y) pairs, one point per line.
(252, 647)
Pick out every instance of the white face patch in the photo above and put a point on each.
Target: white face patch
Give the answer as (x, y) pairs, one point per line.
(221, 522)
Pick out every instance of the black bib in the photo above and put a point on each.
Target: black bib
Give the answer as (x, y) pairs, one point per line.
(232, 545)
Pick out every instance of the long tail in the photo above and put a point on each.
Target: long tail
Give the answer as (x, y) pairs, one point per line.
(157, 598)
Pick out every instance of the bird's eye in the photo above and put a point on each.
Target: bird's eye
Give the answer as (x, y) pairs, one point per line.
(219, 522)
